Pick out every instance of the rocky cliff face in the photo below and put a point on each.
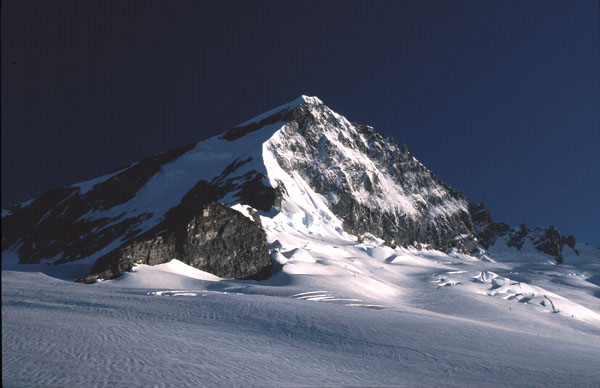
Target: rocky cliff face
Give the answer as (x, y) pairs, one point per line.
(179, 204)
(546, 240)
(54, 227)
(371, 182)
(218, 240)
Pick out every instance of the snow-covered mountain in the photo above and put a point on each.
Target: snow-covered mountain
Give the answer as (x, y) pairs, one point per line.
(296, 249)
(203, 203)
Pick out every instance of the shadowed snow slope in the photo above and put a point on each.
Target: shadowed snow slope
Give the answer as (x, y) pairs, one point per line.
(345, 319)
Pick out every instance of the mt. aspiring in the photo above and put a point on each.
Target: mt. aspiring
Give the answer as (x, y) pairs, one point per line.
(222, 204)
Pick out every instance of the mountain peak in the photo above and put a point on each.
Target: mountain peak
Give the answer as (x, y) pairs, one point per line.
(271, 116)
(282, 109)
(313, 100)
(302, 167)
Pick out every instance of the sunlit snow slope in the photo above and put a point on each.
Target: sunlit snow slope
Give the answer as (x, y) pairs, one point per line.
(338, 313)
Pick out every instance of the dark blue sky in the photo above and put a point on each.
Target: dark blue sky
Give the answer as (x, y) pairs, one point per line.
(501, 99)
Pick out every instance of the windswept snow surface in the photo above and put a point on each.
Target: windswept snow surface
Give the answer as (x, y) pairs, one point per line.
(337, 314)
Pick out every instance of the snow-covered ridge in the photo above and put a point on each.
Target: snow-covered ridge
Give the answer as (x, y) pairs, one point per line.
(285, 107)
(301, 159)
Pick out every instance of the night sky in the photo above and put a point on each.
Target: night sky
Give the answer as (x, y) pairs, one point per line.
(501, 99)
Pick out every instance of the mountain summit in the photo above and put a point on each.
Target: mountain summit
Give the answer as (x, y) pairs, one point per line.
(218, 205)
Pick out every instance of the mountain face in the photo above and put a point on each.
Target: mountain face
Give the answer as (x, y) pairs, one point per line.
(490, 233)
(205, 203)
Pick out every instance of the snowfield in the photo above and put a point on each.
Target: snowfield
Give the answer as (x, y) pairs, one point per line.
(338, 313)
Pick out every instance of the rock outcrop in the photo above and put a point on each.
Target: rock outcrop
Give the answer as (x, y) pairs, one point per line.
(546, 240)
(218, 240)
(371, 182)
(54, 227)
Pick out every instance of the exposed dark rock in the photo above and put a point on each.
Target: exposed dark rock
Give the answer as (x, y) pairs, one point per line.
(256, 194)
(240, 131)
(218, 240)
(202, 233)
(516, 239)
(547, 240)
(51, 228)
(123, 186)
(23, 220)
(230, 168)
(319, 164)
(485, 228)
(226, 243)
(54, 227)
(550, 243)
(569, 241)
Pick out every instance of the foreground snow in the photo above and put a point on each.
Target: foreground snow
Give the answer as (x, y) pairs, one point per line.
(337, 314)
